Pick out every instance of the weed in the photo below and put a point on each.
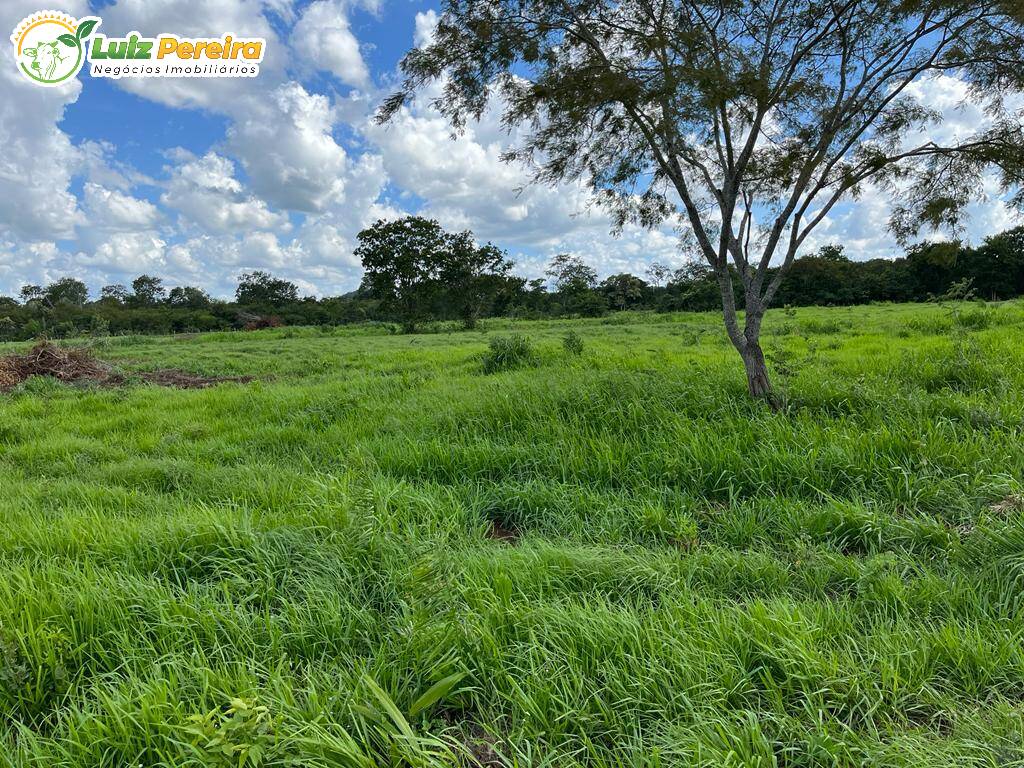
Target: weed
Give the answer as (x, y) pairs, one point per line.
(572, 342)
(506, 353)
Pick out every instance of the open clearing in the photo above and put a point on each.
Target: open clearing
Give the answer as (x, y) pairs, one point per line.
(374, 554)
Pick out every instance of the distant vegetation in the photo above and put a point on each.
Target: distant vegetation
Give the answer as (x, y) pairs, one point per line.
(463, 283)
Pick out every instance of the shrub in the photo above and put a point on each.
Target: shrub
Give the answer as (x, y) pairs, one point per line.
(506, 353)
(573, 343)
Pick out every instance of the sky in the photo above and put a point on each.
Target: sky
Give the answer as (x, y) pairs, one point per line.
(200, 180)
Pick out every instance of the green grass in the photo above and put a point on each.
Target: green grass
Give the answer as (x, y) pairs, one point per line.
(298, 571)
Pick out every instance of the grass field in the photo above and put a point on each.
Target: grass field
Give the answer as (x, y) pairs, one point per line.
(377, 555)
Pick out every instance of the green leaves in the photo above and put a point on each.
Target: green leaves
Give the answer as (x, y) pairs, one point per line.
(435, 693)
(69, 40)
(85, 28)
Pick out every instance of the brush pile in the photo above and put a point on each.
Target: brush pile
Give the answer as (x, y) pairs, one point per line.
(62, 363)
(78, 364)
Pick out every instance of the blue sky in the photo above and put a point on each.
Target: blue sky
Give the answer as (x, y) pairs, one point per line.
(200, 180)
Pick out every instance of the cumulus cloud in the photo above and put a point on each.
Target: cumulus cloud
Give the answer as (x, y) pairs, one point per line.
(286, 146)
(206, 193)
(323, 37)
(115, 210)
(38, 159)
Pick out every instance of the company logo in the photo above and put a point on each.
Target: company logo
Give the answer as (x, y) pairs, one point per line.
(52, 47)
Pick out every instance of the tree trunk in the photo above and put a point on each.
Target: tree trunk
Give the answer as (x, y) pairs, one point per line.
(758, 383)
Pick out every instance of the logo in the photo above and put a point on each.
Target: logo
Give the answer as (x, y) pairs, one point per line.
(52, 47)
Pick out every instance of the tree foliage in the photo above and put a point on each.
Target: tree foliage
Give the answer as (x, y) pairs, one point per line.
(417, 270)
(261, 289)
(148, 291)
(744, 122)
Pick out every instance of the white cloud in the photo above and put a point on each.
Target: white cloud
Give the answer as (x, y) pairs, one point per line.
(286, 146)
(322, 35)
(207, 194)
(36, 263)
(127, 254)
(426, 24)
(114, 210)
(38, 159)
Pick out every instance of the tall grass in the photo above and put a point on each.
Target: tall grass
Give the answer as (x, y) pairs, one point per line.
(302, 571)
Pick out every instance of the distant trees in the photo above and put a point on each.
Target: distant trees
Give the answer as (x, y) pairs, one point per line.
(575, 282)
(997, 267)
(624, 291)
(114, 294)
(67, 290)
(30, 293)
(260, 288)
(147, 291)
(418, 271)
(476, 280)
(657, 273)
(401, 266)
(188, 296)
(466, 282)
(570, 274)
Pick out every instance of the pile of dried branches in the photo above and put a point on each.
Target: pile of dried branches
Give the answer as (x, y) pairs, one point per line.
(67, 364)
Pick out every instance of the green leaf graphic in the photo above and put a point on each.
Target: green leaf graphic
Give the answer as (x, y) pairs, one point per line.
(68, 40)
(85, 28)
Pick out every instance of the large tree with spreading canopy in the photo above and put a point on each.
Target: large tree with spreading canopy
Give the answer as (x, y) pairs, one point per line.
(742, 122)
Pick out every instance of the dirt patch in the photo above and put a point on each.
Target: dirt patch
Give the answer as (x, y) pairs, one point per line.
(483, 749)
(498, 532)
(1008, 506)
(78, 364)
(172, 377)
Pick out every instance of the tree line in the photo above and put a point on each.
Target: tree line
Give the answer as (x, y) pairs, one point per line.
(417, 273)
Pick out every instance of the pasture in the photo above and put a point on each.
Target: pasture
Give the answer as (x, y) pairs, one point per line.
(377, 554)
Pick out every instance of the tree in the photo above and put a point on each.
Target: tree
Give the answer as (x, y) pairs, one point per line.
(624, 290)
(757, 116)
(30, 293)
(402, 261)
(832, 252)
(474, 278)
(260, 288)
(933, 266)
(658, 273)
(997, 266)
(694, 288)
(570, 274)
(148, 291)
(189, 297)
(114, 294)
(575, 281)
(419, 271)
(68, 291)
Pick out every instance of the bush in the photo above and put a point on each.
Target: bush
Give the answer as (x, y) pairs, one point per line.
(506, 353)
(573, 343)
